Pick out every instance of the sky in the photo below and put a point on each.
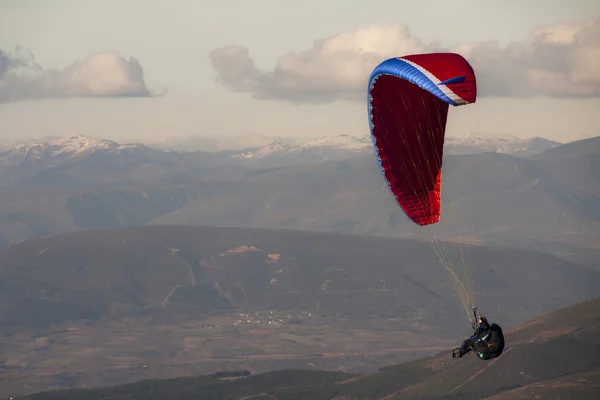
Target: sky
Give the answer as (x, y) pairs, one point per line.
(240, 72)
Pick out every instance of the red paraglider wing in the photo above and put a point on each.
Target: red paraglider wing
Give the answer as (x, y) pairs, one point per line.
(408, 110)
(409, 126)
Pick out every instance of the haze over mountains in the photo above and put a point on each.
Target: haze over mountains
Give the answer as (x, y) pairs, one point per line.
(525, 193)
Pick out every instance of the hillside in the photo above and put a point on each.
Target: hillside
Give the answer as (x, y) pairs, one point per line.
(141, 265)
(183, 299)
(547, 357)
(574, 163)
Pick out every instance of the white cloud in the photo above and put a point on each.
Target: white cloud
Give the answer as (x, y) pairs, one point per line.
(104, 74)
(560, 60)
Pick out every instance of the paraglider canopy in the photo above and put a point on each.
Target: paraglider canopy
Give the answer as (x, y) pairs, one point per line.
(408, 106)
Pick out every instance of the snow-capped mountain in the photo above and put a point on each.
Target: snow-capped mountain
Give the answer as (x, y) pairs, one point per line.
(346, 146)
(69, 147)
(73, 158)
(264, 151)
(507, 144)
(105, 157)
(320, 149)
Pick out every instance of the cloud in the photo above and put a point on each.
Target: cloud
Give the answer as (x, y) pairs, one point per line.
(559, 60)
(104, 74)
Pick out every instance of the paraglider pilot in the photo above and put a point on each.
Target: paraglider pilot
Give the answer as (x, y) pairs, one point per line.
(487, 341)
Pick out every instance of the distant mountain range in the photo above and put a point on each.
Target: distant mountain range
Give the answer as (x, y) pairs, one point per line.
(346, 146)
(73, 146)
(506, 144)
(47, 154)
(97, 161)
(322, 149)
(524, 193)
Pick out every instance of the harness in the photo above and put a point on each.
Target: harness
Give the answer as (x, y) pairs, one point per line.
(494, 349)
(493, 354)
